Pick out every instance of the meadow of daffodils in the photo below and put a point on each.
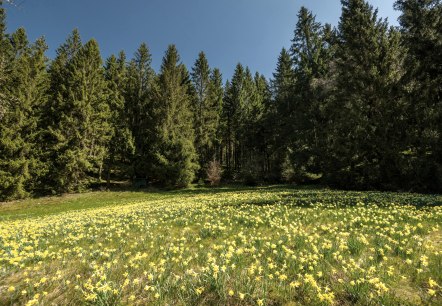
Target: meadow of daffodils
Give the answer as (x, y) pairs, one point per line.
(261, 246)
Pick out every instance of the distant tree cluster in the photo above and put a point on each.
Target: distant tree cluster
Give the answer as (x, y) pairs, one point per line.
(357, 107)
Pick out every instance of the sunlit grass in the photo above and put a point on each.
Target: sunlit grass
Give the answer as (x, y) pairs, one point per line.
(227, 246)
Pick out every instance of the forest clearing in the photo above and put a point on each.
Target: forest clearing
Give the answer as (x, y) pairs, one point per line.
(274, 153)
(270, 245)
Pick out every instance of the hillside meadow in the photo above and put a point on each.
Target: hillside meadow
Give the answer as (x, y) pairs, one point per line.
(274, 245)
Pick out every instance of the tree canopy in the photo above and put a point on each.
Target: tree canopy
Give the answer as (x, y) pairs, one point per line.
(357, 106)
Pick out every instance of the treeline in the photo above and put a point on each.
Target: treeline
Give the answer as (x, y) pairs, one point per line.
(357, 106)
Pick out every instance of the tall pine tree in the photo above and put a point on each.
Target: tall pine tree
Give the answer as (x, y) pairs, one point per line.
(83, 129)
(176, 156)
(231, 114)
(139, 111)
(206, 111)
(53, 110)
(280, 115)
(27, 91)
(366, 75)
(121, 146)
(311, 61)
(252, 106)
(216, 94)
(421, 28)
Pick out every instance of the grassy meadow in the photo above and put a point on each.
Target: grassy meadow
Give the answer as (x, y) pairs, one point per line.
(271, 245)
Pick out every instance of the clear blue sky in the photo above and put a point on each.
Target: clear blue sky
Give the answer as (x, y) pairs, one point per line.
(228, 31)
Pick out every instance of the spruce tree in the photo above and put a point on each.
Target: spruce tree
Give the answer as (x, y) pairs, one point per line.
(263, 139)
(366, 74)
(21, 168)
(14, 166)
(58, 71)
(83, 130)
(53, 111)
(121, 145)
(241, 119)
(225, 129)
(421, 28)
(282, 86)
(32, 89)
(310, 58)
(280, 114)
(250, 116)
(259, 139)
(216, 95)
(176, 156)
(7, 147)
(206, 112)
(140, 112)
(232, 107)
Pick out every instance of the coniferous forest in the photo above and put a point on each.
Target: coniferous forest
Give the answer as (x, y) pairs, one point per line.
(356, 106)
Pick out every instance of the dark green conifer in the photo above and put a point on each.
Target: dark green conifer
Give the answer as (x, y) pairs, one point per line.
(140, 112)
(360, 134)
(25, 93)
(311, 62)
(216, 93)
(280, 115)
(121, 146)
(421, 29)
(206, 111)
(83, 130)
(176, 157)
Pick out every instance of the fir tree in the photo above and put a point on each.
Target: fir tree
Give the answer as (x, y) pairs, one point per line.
(140, 112)
(232, 107)
(421, 28)
(311, 61)
(225, 130)
(58, 71)
(203, 125)
(282, 84)
(27, 89)
(53, 111)
(176, 156)
(7, 147)
(366, 75)
(121, 145)
(216, 95)
(280, 115)
(83, 131)
(250, 115)
(32, 89)
(263, 139)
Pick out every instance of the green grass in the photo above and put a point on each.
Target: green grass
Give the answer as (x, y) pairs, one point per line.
(272, 245)
(57, 204)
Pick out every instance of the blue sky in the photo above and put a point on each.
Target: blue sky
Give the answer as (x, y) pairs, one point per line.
(228, 31)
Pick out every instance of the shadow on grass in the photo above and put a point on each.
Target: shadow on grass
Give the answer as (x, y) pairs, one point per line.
(302, 195)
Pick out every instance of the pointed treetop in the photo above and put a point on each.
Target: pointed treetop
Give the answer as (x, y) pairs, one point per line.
(200, 70)
(19, 41)
(283, 67)
(143, 56)
(71, 46)
(41, 44)
(216, 74)
(92, 51)
(238, 74)
(307, 39)
(171, 58)
(121, 57)
(358, 16)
